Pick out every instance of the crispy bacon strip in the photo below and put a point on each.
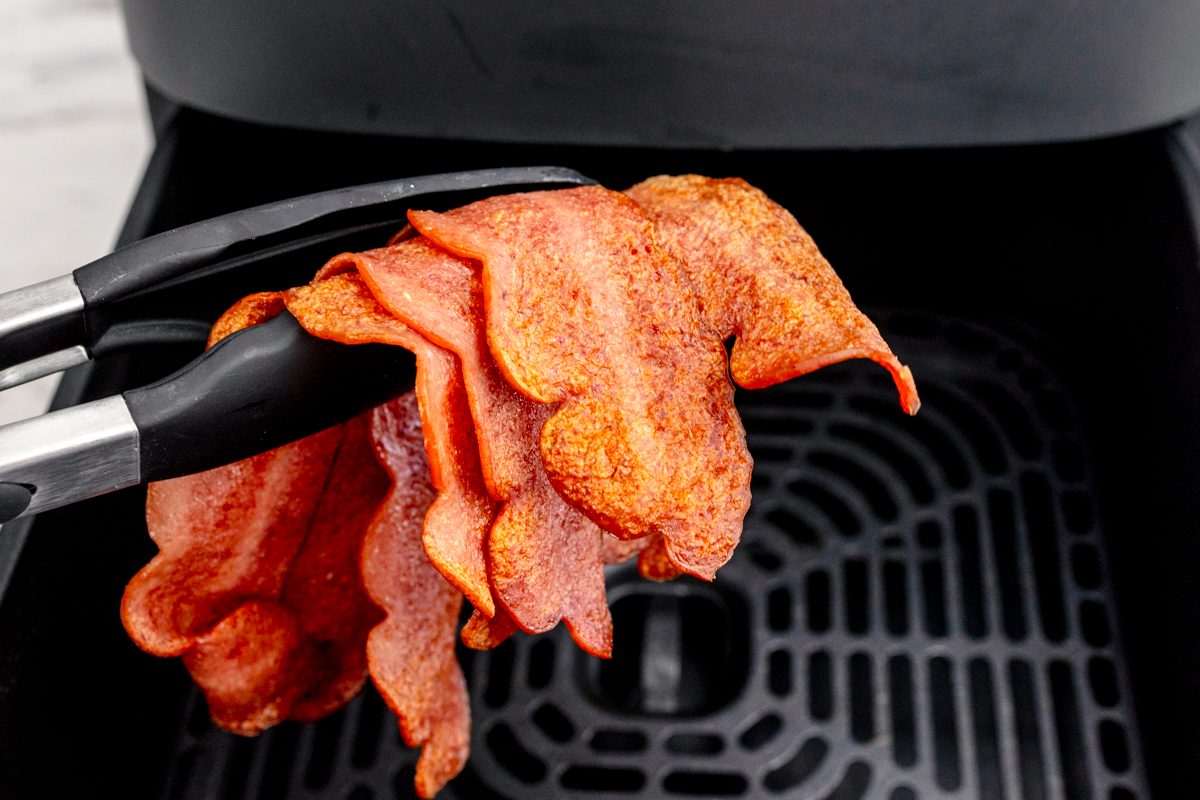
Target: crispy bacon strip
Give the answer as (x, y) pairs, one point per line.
(654, 562)
(315, 630)
(339, 306)
(544, 555)
(618, 551)
(651, 551)
(256, 584)
(411, 654)
(583, 309)
(484, 633)
(760, 276)
(437, 495)
(323, 586)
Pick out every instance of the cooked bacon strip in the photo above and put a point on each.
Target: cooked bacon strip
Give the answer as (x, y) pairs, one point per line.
(225, 536)
(440, 296)
(323, 586)
(544, 555)
(484, 633)
(339, 306)
(256, 584)
(411, 654)
(583, 309)
(654, 562)
(312, 637)
(437, 497)
(247, 666)
(618, 551)
(760, 276)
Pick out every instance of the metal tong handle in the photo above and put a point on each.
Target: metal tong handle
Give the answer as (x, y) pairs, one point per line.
(44, 328)
(254, 390)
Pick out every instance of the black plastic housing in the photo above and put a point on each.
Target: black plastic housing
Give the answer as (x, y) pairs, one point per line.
(705, 74)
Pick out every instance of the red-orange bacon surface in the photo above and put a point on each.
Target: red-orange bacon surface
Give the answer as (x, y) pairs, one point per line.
(573, 408)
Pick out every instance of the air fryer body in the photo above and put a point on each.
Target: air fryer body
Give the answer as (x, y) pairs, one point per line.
(754, 74)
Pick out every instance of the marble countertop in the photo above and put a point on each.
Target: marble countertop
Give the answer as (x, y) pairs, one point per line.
(74, 137)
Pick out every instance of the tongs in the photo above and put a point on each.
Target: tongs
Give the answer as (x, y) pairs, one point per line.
(257, 389)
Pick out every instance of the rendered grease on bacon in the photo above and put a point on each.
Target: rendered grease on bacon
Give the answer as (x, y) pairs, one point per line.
(760, 276)
(583, 309)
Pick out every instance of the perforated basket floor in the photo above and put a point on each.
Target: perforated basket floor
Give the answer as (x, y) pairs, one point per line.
(919, 608)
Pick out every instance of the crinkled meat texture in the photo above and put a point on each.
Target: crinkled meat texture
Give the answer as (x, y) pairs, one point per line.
(544, 555)
(411, 654)
(483, 633)
(654, 562)
(340, 306)
(760, 276)
(618, 551)
(441, 297)
(584, 310)
(256, 584)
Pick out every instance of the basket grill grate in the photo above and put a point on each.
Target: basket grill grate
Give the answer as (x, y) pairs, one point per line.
(920, 609)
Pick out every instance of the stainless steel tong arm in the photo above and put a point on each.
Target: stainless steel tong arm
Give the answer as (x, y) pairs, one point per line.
(50, 312)
(67, 456)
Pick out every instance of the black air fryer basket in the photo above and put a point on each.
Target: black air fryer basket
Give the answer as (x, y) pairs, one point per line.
(993, 599)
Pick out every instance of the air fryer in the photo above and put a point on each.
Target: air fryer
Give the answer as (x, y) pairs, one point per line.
(993, 599)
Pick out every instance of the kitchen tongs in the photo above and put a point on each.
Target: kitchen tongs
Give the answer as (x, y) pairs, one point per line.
(255, 390)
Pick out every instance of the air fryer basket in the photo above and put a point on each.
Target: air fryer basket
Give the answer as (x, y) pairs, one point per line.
(994, 599)
(919, 607)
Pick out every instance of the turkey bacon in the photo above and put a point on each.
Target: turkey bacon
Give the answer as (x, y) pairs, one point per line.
(544, 556)
(585, 311)
(760, 276)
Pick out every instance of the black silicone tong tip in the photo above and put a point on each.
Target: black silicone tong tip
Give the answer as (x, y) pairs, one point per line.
(257, 389)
